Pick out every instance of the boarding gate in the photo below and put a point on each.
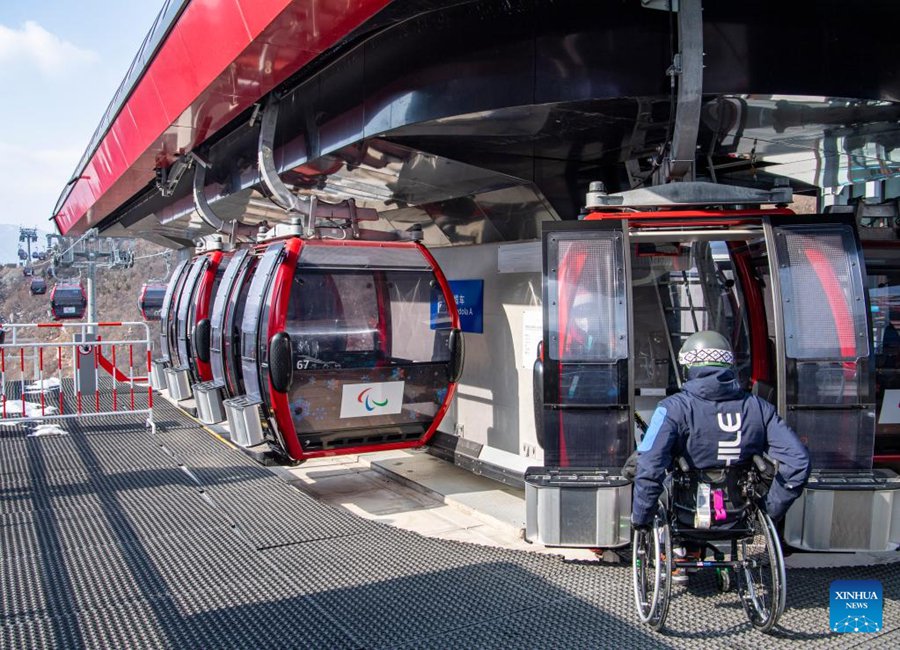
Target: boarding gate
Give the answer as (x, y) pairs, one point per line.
(53, 372)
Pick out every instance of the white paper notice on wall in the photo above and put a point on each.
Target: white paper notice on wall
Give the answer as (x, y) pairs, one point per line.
(890, 407)
(377, 398)
(532, 333)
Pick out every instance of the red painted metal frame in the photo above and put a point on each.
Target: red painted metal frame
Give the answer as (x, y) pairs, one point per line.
(220, 57)
(454, 324)
(759, 328)
(693, 217)
(203, 305)
(280, 294)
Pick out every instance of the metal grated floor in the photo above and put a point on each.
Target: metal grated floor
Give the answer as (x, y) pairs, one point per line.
(113, 537)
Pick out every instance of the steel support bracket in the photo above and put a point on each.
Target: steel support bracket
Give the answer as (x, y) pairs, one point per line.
(268, 172)
(234, 228)
(201, 204)
(167, 178)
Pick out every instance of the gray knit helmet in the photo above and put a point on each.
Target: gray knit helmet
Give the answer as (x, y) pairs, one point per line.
(706, 348)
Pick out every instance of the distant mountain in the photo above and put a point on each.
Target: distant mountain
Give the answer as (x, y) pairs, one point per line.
(9, 243)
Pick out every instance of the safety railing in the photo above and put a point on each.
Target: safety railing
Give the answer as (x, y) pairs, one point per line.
(59, 371)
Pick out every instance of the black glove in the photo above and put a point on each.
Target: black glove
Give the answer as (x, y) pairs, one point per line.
(629, 470)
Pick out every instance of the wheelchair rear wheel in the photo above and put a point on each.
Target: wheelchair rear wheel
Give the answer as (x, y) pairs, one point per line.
(652, 572)
(762, 583)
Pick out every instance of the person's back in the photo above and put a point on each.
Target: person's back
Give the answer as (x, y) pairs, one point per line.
(712, 423)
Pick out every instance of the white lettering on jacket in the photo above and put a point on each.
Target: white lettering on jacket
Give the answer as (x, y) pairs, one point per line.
(729, 450)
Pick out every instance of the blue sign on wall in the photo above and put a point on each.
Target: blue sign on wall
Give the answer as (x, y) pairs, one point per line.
(469, 296)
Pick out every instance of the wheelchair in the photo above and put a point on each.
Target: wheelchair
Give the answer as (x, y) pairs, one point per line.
(736, 522)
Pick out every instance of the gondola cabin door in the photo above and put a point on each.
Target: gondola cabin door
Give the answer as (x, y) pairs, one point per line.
(823, 366)
(587, 344)
(787, 291)
(623, 291)
(579, 498)
(825, 373)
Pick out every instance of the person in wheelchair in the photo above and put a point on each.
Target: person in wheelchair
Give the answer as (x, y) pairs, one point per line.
(710, 425)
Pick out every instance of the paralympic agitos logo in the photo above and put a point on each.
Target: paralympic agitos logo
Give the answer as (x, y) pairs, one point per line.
(364, 399)
(372, 399)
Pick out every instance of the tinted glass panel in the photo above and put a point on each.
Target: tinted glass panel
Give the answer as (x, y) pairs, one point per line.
(68, 296)
(166, 328)
(316, 398)
(217, 314)
(589, 321)
(587, 438)
(185, 306)
(155, 295)
(362, 318)
(252, 317)
(825, 382)
(836, 438)
(590, 384)
(364, 256)
(232, 333)
(883, 277)
(821, 283)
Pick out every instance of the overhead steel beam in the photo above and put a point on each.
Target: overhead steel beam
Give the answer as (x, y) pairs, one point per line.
(687, 70)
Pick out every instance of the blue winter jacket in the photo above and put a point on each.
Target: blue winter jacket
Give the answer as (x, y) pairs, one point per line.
(713, 423)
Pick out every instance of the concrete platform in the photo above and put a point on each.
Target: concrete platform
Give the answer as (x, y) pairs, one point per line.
(415, 491)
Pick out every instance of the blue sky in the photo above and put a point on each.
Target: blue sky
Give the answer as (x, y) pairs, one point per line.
(60, 64)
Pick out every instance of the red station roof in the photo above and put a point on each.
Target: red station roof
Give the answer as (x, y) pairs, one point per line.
(218, 58)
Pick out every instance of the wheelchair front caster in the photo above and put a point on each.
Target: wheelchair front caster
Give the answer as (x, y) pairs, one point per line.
(723, 580)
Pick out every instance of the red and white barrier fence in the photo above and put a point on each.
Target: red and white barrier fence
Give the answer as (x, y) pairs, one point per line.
(89, 370)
